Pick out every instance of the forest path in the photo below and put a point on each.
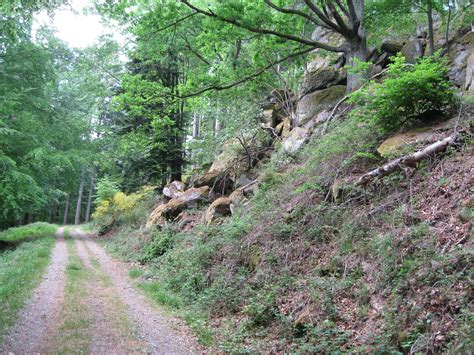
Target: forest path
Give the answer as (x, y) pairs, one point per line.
(41, 312)
(87, 303)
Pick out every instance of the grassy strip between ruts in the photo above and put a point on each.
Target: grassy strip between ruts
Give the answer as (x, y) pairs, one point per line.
(22, 268)
(73, 335)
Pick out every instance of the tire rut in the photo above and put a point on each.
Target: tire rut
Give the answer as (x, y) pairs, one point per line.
(41, 312)
(162, 334)
(111, 329)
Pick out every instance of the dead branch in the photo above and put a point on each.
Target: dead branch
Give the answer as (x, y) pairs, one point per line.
(407, 160)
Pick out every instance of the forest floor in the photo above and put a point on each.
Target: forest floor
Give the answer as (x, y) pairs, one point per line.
(86, 302)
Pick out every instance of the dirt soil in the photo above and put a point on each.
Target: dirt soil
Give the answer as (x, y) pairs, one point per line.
(123, 321)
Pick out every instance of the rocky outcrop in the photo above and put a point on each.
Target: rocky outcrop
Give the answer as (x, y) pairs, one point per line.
(275, 107)
(318, 101)
(283, 129)
(469, 81)
(219, 208)
(322, 78)
(170, 210)
(174, 189)
(225, 206)
(391, 47)
(402, 142)
(295, 141)
(225, 169)
(413, 50)
(460, 55)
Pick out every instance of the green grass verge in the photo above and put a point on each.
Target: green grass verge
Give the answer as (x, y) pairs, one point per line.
(28, 232)
(22, 268)
(174, 305)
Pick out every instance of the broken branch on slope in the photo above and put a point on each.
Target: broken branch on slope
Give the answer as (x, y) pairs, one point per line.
(407, 160)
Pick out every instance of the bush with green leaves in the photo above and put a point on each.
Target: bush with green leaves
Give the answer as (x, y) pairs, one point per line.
(161, 241)
(408, 94)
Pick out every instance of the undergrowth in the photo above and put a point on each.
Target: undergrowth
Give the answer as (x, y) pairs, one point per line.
(314, 265)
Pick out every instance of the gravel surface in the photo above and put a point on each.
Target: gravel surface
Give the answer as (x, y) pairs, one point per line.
(163, 335)
(41, 312)
(110, 333)
(123, 320)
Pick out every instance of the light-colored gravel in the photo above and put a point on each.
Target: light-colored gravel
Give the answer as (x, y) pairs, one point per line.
(42, 310)
(162, 334)
(110, 333)
(123, 319)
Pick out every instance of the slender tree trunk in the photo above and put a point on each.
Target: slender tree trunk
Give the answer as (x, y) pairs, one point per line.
(89, 199)
(53, 213)
(66, 210)
(446, 45)
(77, 218)
(429, 13)
(196, 126)
(217, 126)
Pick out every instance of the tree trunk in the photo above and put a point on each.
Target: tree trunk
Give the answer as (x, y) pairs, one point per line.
(447, 26)
(89, 199)
(66, 210)
(196, 126)
(53, 213)
(77, 218)
(429, 13)
(217, 126)
(357, 49)
(356, 53)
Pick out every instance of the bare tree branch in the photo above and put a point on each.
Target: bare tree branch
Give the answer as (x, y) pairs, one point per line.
(245, 78)
(234, 22)
(174, 23)
(342, 7)
(195, 52)
(296, 12)
(345, 31)
(322, 16)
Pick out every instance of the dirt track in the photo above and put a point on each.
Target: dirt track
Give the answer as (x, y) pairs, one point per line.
(115, 317)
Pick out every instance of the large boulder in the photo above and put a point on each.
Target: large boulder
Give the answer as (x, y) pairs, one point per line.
(284, 128)
(193, 196)
(401, 143)
(219, 208)
(412, 50)
(295, 141)
(313, 103)
(391, 47)
(165, 212)
(240, 195)
(169, 211)
(459, 55)
(226, 167)
(321, 78)
(174, 189)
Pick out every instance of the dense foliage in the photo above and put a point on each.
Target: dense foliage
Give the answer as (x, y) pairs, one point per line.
(409, 93)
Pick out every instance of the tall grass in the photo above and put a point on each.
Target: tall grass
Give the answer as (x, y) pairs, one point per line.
(21, 268)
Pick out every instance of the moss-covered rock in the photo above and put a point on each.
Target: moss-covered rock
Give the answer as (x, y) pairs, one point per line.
(313, 103)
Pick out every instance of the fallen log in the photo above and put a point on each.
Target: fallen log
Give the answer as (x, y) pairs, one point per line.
(407, 160)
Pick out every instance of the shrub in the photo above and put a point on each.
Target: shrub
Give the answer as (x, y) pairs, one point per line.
(409, 93)
(161, 242)
(114, 207)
